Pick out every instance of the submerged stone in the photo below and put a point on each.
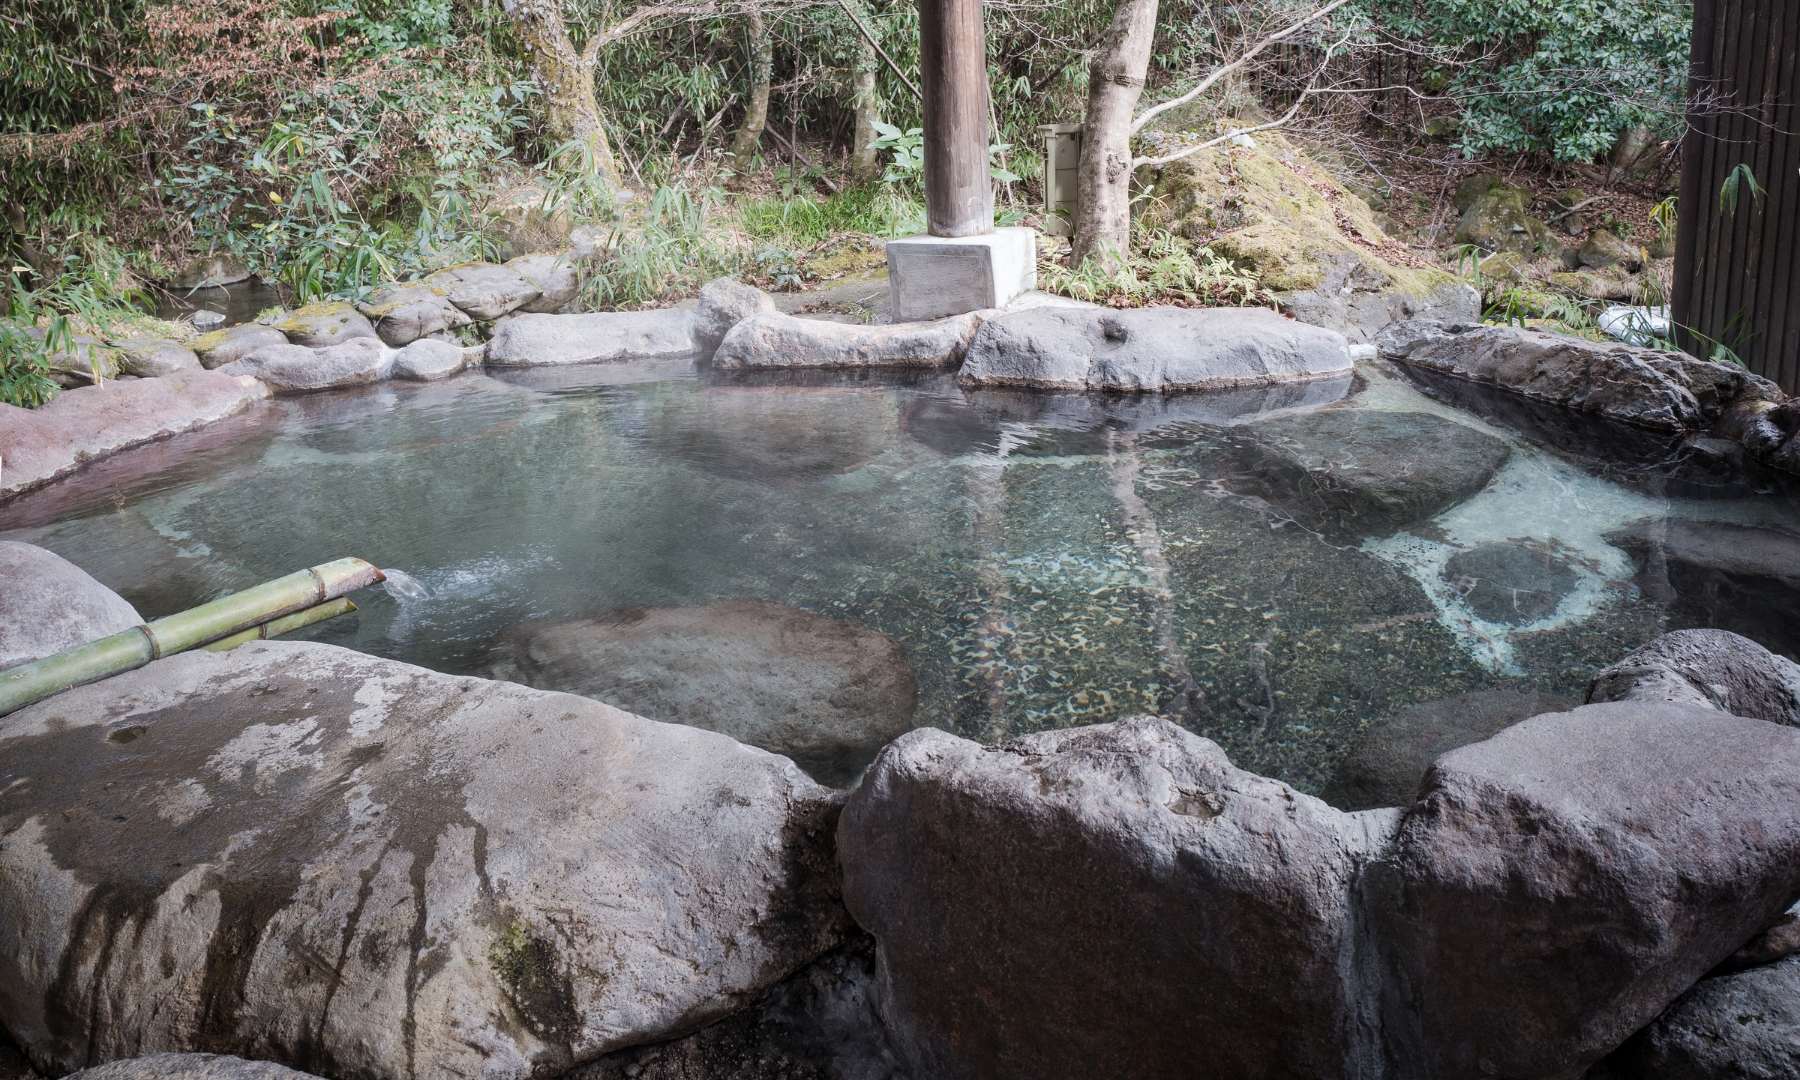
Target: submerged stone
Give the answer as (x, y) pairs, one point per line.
(770, 433)
(48, 604)
(1720, 575)
(1509, 583)
(824, 692)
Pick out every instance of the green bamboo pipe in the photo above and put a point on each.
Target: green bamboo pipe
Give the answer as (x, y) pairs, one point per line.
(286, 624)
(158, 638)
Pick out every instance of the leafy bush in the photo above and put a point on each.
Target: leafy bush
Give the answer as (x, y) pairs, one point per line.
(1160, 268)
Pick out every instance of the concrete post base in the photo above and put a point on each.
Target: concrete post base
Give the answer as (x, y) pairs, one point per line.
(934, 277)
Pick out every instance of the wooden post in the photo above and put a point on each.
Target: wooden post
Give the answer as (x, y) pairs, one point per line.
(959, 197)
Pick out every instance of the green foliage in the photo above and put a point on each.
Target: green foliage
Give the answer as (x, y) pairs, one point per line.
(1665, 214)
(874, 210)
(1161, 267)
(1728, 192)
(87, 294)
(661, 249)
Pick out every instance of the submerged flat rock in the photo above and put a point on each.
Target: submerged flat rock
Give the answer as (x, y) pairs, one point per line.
(825, 692)
(361, 868)
(769, 433)
(1720, 575)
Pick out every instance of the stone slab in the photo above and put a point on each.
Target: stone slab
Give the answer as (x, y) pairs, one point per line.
(933, 277)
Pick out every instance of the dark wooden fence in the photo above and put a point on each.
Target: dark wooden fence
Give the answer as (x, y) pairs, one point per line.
(1737, 274)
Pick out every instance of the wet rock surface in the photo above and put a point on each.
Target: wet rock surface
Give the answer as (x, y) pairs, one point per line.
(1388, 764)
(288, 369)
(827, 693)
(1708, 669)
(725, 302)
(48, 604)
(152, 358)
(1744, 1026)
(357, 867)
(1605, 859)
(1150, 349)
(221, 347)
(402, 314)
(484, 291)
(552, 275)
(1509, 583)
(604, 335)
(1720, 575)
(1367, 472)
(1121, 893)
(189, 1067)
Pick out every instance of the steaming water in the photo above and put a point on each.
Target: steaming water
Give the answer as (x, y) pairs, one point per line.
(1044, 560)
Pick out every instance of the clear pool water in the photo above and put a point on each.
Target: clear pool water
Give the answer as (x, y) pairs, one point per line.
(1045, 560)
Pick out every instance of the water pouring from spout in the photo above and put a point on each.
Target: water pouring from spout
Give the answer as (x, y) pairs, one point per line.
(403, 587)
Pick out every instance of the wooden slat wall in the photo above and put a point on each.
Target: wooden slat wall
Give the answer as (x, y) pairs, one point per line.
(1745, 82)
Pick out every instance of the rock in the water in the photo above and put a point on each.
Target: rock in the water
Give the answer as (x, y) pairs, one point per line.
(78, 426)
(1388, 764)
(825, 692)
(210, 272)
(552, 275)
(725, 302)
(288, 369)
(774, 340)
(602, 335)
(1719, 575)
(152, 358)
(403, 314)
(1365, 472)
(355, 866)
(324, 324)
(1111, 901)
(1562, 882)
(1509, 583)
(221, 347)
(1606, 248)
(1162, 348)
(1710, 669)
(189, 1067)
(426, 359)
(1498, 218)
(1744, 1026)
(484, 291)
(769, 434)
(1656, 389)
(48, 604)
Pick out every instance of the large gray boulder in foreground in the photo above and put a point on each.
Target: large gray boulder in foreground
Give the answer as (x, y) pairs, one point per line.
(290, 369)
(1561, 883)
(366, 869)
(189, 1067)
(1740, 1027)
(1710, 669)
(825, 692)
(1111, 901)
(775, 340)
(48, 604)
(725, 302)
(1161, 348)
(1656, 389)
(603, 335)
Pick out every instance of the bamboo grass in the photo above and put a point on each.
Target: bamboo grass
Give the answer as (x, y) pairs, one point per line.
(286, 624)
(224, 617)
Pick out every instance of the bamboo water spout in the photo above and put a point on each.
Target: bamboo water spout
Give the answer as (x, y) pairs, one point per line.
(304, 598)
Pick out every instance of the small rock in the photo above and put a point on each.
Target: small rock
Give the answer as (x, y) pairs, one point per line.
(602, 335)
(1709, 669)
(403, 314)
(48, 605)
(1606, 248)
(1498, 219)
(1150, 349)
(725, 302)
(1389, 762)
(1509, 583)
(321, 325)
(221, 347)
(210, 272)
(774, 340)
(152, 358)
(1744, 1026)
(552, 275)
(587, 242)
(295, 368)
(189, 1067)
(206, 320)
(484, 291)
(426, 359)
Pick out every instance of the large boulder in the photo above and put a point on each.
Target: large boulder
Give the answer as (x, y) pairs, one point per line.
(1366, 472)
(775, 340)
(601, 335)
(361, 868)
(324, 324)
(824, 692)
(1558, 885)
(1639, 386)
(1740, 1027)
(403, 314)
(1497, 217)
(290, 369)
(725, 302)
(1163, 348)
(552, 275)
(1708, 669)
(221, 347)
(152, 358)
(48, 604)
(1111, 901)
(1268, 208)
(1388, 764)
(427, 359)
(484, 291)
(189, 1067)
(79, 426)
(211, 272)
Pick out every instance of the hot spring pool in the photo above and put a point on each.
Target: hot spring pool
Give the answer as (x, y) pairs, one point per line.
(1044, 560)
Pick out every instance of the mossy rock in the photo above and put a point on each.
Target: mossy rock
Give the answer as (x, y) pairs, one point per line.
(1598, 286)
(1499, 219)
(89, 358)
(330, 322)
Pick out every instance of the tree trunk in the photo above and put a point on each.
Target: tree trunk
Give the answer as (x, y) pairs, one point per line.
(867, 108)
(566, 79)
(1115, 81)
(756, 114)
